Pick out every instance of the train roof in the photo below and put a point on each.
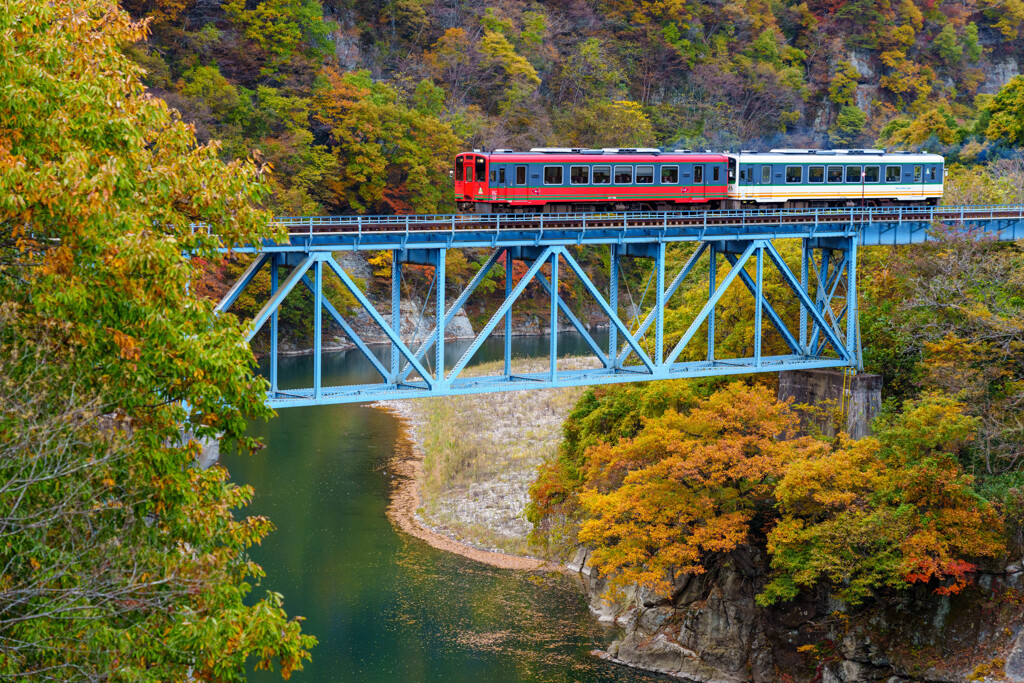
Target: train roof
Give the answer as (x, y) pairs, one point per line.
(570, 154)
(843, 156)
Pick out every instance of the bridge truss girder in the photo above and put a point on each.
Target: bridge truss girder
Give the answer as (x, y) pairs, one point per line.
(823, 336)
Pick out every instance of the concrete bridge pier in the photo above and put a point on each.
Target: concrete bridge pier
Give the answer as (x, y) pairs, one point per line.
(844, 400)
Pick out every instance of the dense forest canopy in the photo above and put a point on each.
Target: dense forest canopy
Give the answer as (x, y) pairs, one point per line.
(359, 106)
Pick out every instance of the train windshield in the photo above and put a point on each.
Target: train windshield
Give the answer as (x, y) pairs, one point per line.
(459, 161)
(481, 169)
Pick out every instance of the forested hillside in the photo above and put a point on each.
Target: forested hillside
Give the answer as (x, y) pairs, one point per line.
(359, 106)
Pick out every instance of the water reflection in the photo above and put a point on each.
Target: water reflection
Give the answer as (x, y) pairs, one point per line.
(387, 606)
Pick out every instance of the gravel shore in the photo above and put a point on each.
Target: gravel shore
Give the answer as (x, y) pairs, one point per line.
(468, 463)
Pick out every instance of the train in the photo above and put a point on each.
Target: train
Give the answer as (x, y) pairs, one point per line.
(568, 180)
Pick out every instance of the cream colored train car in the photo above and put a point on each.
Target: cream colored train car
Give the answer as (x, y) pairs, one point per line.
(801, 178)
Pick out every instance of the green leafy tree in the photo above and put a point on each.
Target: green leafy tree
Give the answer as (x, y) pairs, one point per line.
(948, 45)
(122, 558)
(1006, 122)
(282, 28)
(848, 126)
(971, 45)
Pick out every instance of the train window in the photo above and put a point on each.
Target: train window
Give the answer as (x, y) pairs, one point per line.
(458, 169)
(870, 174)
(501, 176)
(644, 175)
(917, 174)
(552, 175)
(623, 175)
(669, 175)
(794, 174)
(816, 174)
(893, 174)
(716, 173)
(481, 169)
(853, 174)
(835, 174)
(743, 175)
(602, 175)
(579, 175)
(931, 173)
(469, 174)
(520, 175)
(766, 175)
(494, 176)
(698, 174)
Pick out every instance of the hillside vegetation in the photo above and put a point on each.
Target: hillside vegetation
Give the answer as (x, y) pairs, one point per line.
(359, 106)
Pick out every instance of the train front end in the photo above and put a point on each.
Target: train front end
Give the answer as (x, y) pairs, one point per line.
(471, 186)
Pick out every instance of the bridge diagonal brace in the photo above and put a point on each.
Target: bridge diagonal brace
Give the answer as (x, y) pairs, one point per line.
(343, 324)
(669, 292)
(613, 317)
(505, 306)
(805, 300)
(277, 297)
(243, 282)
(832, 281)
(575, 321)
(773, 316)
(392, 336)
(431, 338)
(713, 301)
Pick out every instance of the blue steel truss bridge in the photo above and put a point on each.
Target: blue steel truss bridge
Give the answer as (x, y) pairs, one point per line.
(726, 249)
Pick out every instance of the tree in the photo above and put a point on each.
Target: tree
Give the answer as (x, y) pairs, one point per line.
(883, 513)
(848, 126)
(971, 44)
(843, 88)
(606, 124)
(121, 557)
(686, 486)
(948, 46)
(934, 123)
(1007, 113)
(392, 159)
(963, 308)
(282, 27)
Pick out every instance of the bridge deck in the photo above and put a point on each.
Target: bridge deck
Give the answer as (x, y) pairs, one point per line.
(872, 226)
(817, 329)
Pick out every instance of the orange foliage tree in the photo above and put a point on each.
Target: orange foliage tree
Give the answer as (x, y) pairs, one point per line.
(687, 485)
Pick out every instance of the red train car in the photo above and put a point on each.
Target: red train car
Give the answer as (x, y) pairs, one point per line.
(557, 180)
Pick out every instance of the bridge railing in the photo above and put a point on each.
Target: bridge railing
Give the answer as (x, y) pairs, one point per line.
(406, 223)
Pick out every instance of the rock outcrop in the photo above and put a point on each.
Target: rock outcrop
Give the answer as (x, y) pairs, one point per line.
(711, 630)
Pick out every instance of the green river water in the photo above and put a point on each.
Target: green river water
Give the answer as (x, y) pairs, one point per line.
(386, 606)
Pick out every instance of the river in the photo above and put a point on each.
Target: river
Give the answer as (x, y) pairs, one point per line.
(384, 605)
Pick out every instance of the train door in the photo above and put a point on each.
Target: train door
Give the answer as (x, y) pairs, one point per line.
(765, 181)
(517, 190)
(496, 182)
(747, 182)
(480, 188)
(700, 179)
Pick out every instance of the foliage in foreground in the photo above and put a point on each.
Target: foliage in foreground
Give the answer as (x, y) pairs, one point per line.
(121, 558)
(681, 486)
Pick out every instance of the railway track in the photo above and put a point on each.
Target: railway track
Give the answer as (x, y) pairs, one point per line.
(854, 218)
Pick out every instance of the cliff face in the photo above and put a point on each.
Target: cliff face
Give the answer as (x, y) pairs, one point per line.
(711, 630)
